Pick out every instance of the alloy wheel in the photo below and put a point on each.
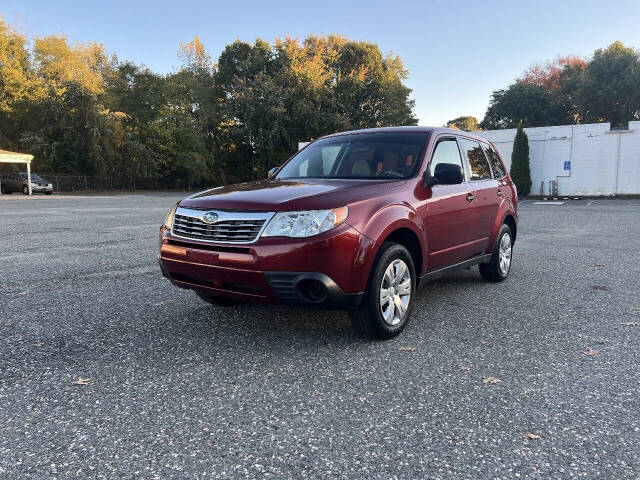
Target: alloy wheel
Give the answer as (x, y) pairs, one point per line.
(504, 261)
(395, 292)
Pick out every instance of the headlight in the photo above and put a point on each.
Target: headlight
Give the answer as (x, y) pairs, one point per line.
(305, 224)
(169, 220)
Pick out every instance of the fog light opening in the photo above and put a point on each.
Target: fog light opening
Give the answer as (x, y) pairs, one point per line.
(313, 291)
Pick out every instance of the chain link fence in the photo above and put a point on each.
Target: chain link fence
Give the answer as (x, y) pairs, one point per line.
(86, 183)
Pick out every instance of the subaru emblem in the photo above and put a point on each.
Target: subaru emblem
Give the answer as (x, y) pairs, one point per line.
(210, 217)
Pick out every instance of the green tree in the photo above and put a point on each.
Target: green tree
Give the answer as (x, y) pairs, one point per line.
(468, 123)
(520, 170)
(529, 103)
(571, 90)
(611, 87)
(82, 111)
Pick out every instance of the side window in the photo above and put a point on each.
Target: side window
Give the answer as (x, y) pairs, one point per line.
(480, 169)
(494, 160)
(446, 152)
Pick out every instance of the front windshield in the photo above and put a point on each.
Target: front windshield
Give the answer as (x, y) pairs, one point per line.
(380, 155)
(34, 177)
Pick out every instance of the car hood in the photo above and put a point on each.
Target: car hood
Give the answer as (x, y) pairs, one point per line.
(285, 195)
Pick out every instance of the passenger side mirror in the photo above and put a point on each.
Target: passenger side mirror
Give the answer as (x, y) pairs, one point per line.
(445, 174)
(272, 172)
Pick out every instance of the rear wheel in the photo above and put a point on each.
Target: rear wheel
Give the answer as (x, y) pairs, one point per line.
(500, 264)
(388, 299)
(3, 189)
(48, 193)
(220, 301)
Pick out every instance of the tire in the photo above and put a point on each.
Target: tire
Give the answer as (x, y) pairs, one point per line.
(379, 320)
(499, 266)
(220, 301)
(25, 190)
(3, 189)
(48, 193)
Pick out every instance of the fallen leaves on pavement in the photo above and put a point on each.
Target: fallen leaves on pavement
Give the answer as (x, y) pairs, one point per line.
(599, 265)
(157, 304)
(631, 324)
(491, 380)
(82, 381)
(590, 352)
(407, 349)
(531, 436)
(483, 342)
(464, 368)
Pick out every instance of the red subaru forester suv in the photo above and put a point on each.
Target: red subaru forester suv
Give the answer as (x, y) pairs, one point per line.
(353, 221)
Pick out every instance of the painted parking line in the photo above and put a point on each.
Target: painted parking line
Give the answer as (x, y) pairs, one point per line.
(591, 203)
(548, 203)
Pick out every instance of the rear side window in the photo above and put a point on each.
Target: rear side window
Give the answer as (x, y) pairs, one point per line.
(480, 169)
(494, 160)
(446, 152)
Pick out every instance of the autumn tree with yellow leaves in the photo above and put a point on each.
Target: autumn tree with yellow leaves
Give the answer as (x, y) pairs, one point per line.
(82, 111)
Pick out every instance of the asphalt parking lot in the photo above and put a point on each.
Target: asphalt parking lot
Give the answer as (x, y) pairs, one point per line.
(182, 389)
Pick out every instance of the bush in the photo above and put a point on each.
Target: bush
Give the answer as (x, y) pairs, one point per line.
(520, 170)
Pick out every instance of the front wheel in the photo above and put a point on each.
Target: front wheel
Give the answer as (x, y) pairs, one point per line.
(388, 299)
(220, 301)
(500, 264)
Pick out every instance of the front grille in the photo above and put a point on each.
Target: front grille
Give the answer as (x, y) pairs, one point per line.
(224, 231)
(231, 227)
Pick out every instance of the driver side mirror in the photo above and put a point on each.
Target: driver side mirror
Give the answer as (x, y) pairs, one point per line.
(272, 172)
(445, 174)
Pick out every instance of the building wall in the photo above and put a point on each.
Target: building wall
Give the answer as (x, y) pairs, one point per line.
(583, 159)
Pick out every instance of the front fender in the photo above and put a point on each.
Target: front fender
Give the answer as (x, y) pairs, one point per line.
(387, 220)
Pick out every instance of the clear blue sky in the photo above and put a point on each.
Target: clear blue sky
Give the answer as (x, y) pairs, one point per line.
(457, 53)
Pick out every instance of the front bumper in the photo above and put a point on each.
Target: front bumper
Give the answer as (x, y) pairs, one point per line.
(40, 189)
(329, 271)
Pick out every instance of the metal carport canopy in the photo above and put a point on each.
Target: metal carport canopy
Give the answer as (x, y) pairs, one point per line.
(13, 157)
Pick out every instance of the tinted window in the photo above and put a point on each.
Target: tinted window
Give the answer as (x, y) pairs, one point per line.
(494, 160)
(34, 177)
(367, 155)
(477, 161)
(446, 152)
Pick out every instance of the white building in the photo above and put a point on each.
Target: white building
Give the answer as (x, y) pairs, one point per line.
(587, 159)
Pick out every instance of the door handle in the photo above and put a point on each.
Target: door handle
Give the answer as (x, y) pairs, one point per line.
(500, 193)
(471, 197)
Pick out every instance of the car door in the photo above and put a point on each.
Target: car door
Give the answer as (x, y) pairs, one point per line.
(449, 214)
(485, 188)
(13, 183)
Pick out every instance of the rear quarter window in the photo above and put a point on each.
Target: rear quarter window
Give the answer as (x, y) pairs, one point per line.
(494, 159)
